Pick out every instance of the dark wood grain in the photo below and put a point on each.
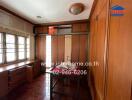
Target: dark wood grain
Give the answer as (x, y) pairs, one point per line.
(83, 48)
(39, 89)
(61, 48)
(75, 48)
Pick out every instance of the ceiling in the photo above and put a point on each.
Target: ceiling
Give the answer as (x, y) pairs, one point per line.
(49, 10)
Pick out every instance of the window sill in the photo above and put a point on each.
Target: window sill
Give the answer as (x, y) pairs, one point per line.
(14, 66)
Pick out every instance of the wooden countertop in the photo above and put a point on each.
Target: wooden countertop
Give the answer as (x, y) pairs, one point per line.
(17, 65)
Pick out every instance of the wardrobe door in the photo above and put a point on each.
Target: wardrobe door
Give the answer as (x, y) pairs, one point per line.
(100, 52)
(98, 41)
(54, 49)
(83, 48)
(41, 47)
(120, 54)
(61, 48)
(75, 48)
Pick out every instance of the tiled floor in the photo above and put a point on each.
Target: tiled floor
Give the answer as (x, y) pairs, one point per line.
(39, 89)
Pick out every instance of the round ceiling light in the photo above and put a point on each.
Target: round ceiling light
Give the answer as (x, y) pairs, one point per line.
(38, 16)
(76, 8)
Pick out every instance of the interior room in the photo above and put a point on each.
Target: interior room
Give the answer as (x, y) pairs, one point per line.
(65, 50)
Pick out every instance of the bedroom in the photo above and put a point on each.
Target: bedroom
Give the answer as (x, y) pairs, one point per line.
(65, 50)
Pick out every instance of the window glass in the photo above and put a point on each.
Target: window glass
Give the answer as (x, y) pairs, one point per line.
(21, 47)
(10, 48)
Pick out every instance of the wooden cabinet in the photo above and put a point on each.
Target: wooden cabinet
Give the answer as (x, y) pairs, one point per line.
(111, 46)
(36, 68)
(16, 77)
(79, 27)
(13, 76)
(3, 83)
(29, 72)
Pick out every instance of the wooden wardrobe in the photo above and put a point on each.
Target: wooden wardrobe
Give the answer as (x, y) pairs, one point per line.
(111, 46)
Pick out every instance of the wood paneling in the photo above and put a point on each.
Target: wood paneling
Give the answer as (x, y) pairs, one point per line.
(61, 48)
(120, 54)
(79, 48)
(58, 48)
(84, 27)
(83, 48)
(110, 45)
(63, 23)
(41, 47)
(75, 48)
(79, 27)
(76, 27)
(41, 29)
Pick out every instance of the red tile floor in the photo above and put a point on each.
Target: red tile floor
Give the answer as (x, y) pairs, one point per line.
(39, 89)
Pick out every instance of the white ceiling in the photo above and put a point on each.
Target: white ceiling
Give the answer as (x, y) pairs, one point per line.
(49, 10)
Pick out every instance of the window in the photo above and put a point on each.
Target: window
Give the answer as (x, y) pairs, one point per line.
(13, 48)
(21, 48)
(10, 48)
(48, 51)
(1, 49)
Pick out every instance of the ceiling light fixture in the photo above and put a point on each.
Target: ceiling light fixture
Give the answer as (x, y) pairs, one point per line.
(76, 8)
(38, 16)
